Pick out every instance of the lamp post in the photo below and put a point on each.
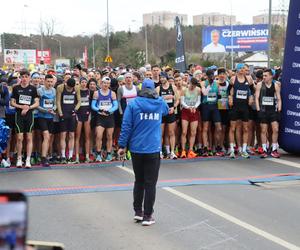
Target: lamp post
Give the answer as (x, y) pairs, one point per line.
(94, 59)
(59, 43)
(270, 30)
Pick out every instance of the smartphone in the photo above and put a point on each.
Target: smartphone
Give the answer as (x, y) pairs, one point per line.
(13, 220)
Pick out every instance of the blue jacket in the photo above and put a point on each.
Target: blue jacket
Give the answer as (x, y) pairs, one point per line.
(141, 131)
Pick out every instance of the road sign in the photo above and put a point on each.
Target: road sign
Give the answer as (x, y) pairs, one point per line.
(108, 59)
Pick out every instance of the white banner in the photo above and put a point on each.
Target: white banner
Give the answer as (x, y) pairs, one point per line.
(19, 56)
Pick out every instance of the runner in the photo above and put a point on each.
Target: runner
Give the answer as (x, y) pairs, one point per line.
(68, 102)
(24, 98)
(105, 104)
(210, 113)
(83, 120)
(169, 93)
(47, 95)
(190, 100)
(266, 96)
(155, 75)
(240, 98)
(223, 106)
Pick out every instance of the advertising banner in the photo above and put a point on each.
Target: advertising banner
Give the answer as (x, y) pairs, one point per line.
(44, 55)
(220, 39)
(19, 56)
(290, 91)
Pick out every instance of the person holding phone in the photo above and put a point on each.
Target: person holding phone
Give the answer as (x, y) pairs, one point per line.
(141, 133)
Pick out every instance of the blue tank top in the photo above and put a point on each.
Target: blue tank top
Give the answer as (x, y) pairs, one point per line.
(212, 96)
(104, 101)
(47, 101)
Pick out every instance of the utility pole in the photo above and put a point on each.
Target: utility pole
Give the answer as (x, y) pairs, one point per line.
(107, 29)
(269, 37)
(146, 43)
(94, 61)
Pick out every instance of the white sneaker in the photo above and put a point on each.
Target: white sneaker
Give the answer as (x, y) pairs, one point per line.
(173, 156)
(5, 163)
(19, 163)
(161, 155)
(27, 164)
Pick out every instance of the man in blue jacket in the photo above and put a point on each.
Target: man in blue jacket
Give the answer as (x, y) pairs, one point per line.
(141, 133)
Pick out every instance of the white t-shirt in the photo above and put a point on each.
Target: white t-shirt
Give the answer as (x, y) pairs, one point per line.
(212, 48)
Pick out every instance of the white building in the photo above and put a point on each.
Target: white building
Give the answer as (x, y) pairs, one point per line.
(164, 19)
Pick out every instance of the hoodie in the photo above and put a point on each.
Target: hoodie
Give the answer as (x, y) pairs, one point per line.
(141, 131)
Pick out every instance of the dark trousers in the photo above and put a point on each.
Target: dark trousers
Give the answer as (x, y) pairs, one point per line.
(146, 168)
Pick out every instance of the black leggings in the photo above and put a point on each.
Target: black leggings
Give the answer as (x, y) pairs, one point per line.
(146, 168)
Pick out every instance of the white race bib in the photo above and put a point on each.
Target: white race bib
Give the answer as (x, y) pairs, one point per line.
(85, 102)
(268, 101)
(48, 103)
(105, 105)
(25, 99)
(212, 97)
(68, 99)
(241, 94)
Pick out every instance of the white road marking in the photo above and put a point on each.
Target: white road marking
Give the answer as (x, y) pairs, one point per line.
(234, 220)
(284, 162)
(228, 217)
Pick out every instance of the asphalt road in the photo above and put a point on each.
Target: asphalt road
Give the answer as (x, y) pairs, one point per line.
(90, 207)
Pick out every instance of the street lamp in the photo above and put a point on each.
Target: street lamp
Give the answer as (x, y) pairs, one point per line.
(270, 29)
(59, 43)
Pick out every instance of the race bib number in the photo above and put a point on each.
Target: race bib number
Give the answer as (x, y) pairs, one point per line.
(68, 99)
(105, 105)
(212, 97)
(25, 99)
(84, 102)
(268, 101)
(242, 94)
(48, 103)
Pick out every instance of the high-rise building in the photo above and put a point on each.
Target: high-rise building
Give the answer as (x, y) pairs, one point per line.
(277, 19)
(214, 19)
(164, 19)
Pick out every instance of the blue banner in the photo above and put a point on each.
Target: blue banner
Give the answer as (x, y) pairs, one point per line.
(290, 91)
(220, 39)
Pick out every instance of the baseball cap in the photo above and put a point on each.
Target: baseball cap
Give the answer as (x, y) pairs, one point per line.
(240, 66)
(105, 79)
(163, 74)
(148, 84)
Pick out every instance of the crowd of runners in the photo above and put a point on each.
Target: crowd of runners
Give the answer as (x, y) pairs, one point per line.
(75, 116)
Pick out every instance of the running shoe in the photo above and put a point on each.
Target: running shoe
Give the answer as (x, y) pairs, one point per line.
(191, 154)
(87, 160)
(98, 158)
(128, 155)
(210, 152)
(199, 151)
(161, 155)
(264, 154)
(5, 163)
(260, 150)
(76, 161)
(138, 217)
(275, 154)
(183, 154)
(63, 160)
(71, 161)
(220, 153)
(244, 154)
(19, 163)
(232, 155)
(108, 157)
(45, 162)
(27, 164)
(148, 221)
(205, 152)
(173, 156)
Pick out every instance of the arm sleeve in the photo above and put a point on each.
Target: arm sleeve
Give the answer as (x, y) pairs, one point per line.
(94, 105)
(114, 107)
(198, 102)
(126, 127)
(183, 104)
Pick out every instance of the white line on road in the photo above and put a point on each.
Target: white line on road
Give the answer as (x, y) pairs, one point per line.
(284, 162)
(234, 220)
(227, 217)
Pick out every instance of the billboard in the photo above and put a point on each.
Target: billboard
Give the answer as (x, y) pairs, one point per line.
(220, 39)
(19, 56)
(44, 55)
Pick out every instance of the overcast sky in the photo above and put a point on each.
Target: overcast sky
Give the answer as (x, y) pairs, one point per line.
(89, 16)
